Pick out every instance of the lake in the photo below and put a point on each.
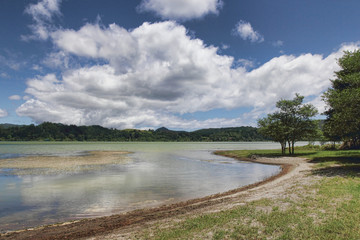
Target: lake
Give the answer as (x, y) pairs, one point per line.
(150, 175)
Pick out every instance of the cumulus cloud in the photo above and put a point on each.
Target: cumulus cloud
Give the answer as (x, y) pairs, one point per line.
(151, 75)
(246, 32)
(3, 113)
(42, 14)
(153, 68)
(245, 63)
(181, 9)
(15, 97)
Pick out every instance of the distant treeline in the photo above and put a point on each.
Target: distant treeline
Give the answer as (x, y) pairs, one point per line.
(59, 132)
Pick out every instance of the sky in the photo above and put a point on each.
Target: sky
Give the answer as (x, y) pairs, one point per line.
(182, 64)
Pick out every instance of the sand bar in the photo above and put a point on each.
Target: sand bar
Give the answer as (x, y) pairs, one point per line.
(93, 160)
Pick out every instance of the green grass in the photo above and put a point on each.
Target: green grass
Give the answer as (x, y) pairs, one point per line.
(329, 208)
(346, 158)
(312, 154)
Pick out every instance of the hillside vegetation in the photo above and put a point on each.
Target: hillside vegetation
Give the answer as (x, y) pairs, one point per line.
(59, 132)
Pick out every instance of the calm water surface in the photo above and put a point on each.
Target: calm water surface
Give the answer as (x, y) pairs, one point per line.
(156, 173)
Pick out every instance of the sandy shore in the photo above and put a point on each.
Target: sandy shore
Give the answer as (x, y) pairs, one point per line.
(126, 226)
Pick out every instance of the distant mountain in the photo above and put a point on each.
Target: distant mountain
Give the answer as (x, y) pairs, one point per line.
(59, 132)
(162, 129)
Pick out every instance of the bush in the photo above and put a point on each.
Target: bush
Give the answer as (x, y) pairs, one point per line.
(310, 146)
(330, 147)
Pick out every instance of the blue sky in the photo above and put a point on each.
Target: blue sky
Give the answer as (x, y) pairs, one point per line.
(183, 64)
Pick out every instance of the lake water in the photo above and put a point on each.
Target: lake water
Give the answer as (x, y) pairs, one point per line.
(154, 174)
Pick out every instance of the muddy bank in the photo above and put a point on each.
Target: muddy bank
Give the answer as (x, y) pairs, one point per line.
(113, 226)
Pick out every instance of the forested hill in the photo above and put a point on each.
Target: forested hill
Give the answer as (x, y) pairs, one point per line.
(59, 132)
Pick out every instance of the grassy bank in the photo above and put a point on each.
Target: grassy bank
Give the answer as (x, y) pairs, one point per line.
(327, 206)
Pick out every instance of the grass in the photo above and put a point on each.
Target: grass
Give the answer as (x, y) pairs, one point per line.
(309, 153)
(328, 208)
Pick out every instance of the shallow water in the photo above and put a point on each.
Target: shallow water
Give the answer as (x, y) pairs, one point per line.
(155, 173)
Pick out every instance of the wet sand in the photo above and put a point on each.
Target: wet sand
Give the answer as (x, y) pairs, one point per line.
(33, 165)
(123, 226)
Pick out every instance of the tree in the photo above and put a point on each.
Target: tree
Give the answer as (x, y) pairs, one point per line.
(272, 127)
(291, 123)
(343, 101)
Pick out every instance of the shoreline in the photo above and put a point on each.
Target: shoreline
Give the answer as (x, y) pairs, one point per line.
(95, 227)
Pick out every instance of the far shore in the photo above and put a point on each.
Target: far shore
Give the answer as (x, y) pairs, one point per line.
(125, 225)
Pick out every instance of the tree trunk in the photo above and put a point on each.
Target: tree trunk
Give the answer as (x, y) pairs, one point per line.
(289, 147)
(283, 147)
(292, 146)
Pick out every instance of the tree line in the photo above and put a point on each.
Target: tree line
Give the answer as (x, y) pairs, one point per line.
(48, 131)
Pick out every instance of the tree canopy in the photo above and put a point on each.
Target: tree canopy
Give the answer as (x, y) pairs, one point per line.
(291, 123)
(343, 102)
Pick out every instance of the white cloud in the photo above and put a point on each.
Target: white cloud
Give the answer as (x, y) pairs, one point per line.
(3, 113)
(4, 75)
(11, 62)
(181, 9)
(225, 46)
(36, 67)
(319, 104)
(58, 60)
(245, 63)
(15, 97)
(153, 74)
(278, 43)
(246, 32)
(42, 14)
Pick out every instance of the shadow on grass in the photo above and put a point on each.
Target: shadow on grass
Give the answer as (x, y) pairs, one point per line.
(337, 166)
(341, 171)
(276, 155)
(337, 160)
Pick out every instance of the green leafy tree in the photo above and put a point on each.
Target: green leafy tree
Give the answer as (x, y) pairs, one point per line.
(291, 123)
(343, 101)
(272, 127)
